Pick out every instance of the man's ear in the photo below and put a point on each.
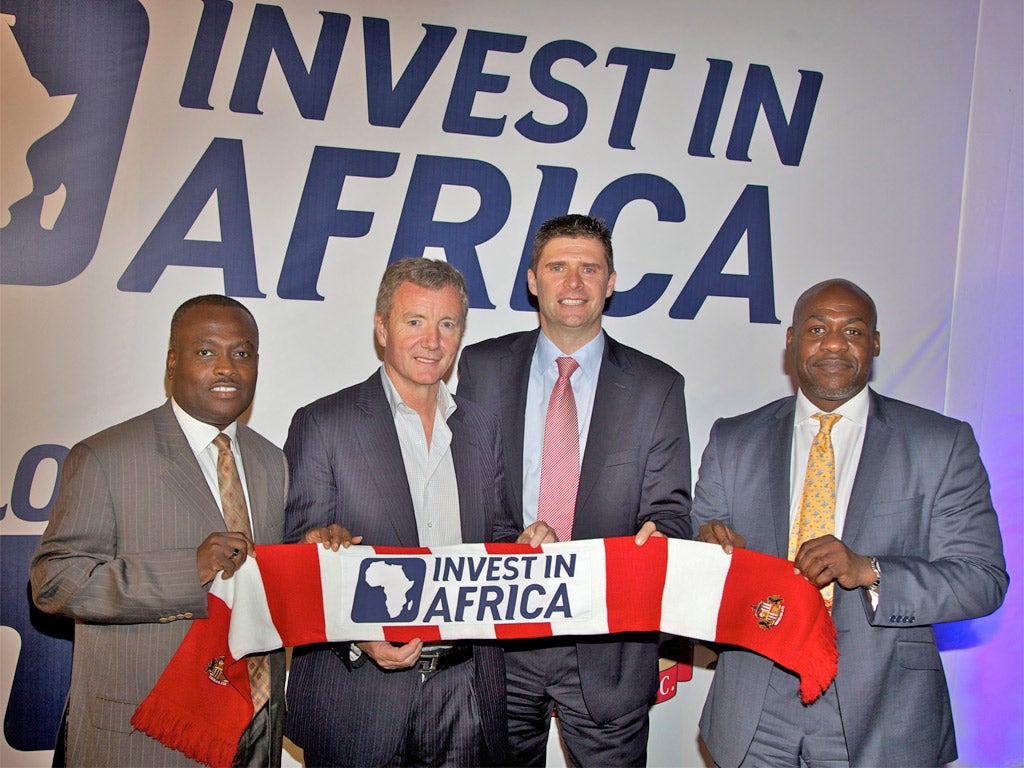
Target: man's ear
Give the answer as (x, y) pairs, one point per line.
(531, 281)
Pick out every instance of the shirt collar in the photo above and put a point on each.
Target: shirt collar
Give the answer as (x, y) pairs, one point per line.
(588, 356)
(198, 433)
(445, 402)
(855, 409)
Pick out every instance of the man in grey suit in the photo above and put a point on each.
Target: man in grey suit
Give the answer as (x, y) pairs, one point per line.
(400, 462)
(632, 479)
(137, 534)
(915, 542)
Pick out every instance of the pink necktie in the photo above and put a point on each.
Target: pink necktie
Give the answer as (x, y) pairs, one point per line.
(236, 518)
(560, 462)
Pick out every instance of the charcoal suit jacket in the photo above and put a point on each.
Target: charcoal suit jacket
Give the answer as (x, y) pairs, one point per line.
(347, 468)
(635, 468)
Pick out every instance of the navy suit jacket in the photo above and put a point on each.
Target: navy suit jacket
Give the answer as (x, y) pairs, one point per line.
(347, 468)
(921, 505)
(636, 467)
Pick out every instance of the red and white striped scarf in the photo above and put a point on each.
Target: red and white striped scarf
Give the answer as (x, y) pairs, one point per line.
(296, 594)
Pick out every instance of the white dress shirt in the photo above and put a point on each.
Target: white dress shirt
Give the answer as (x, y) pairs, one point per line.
(429, 469)
(200, 437)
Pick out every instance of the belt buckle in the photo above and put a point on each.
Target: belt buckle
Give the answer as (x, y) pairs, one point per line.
(428, 666)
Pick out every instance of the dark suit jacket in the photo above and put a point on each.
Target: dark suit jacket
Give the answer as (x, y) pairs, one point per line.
(921, 505)
(347, 468)
(119, 556)
(636, 467)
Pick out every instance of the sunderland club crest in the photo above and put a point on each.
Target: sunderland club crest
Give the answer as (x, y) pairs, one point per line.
(215, 671)
(769, 611)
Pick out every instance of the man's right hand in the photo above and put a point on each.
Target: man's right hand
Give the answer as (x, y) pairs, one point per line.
(717, 532)
(224, 551)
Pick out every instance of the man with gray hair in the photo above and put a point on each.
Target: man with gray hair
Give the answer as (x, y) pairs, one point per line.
(400, 462)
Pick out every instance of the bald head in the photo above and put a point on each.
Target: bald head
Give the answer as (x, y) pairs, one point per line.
(832, 342)
(826, 285)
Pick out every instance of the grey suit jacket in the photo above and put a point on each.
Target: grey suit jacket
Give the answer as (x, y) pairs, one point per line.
(119, 557)
(636, 467)
(347, 468)
(920, 504)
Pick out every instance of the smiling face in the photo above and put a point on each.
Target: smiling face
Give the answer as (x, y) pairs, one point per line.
(571, 282)
(420, 338)
(832, 343)
(212, 363)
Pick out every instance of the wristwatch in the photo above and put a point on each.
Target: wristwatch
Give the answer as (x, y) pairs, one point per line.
(878, 574)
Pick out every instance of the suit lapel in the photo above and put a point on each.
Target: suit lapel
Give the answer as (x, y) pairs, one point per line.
(515, 370)
(181, 469)
(378, 441)
(779, 452)
(464, 452)
(256, 483)
(877, 438)
(612, 402)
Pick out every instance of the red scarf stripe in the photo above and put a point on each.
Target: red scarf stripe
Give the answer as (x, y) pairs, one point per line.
(522, 631)
(296, 585)
(634, 583)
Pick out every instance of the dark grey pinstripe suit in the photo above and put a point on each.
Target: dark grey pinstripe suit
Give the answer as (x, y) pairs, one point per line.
(346, 467)
(119, 556)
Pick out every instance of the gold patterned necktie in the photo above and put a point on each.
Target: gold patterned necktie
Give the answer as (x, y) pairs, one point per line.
(817, 515)
(560, 457)
(236, 518)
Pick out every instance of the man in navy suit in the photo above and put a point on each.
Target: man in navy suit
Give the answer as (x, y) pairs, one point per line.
(916, 542)
(400, 462)
(633, 479)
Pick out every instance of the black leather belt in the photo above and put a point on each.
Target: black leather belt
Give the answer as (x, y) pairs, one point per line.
(444, 658)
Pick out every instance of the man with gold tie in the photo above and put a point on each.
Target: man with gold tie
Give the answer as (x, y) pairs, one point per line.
(884, 506)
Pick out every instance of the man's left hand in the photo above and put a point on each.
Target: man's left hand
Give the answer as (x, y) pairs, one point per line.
(647, 530)
(537, 534)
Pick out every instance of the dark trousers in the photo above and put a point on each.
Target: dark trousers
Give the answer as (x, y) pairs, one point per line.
(545, 674)
(444, 728)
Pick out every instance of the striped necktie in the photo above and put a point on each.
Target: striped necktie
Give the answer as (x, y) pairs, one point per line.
(560, 460)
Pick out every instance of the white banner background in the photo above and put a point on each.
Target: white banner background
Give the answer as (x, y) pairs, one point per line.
(908, 184)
